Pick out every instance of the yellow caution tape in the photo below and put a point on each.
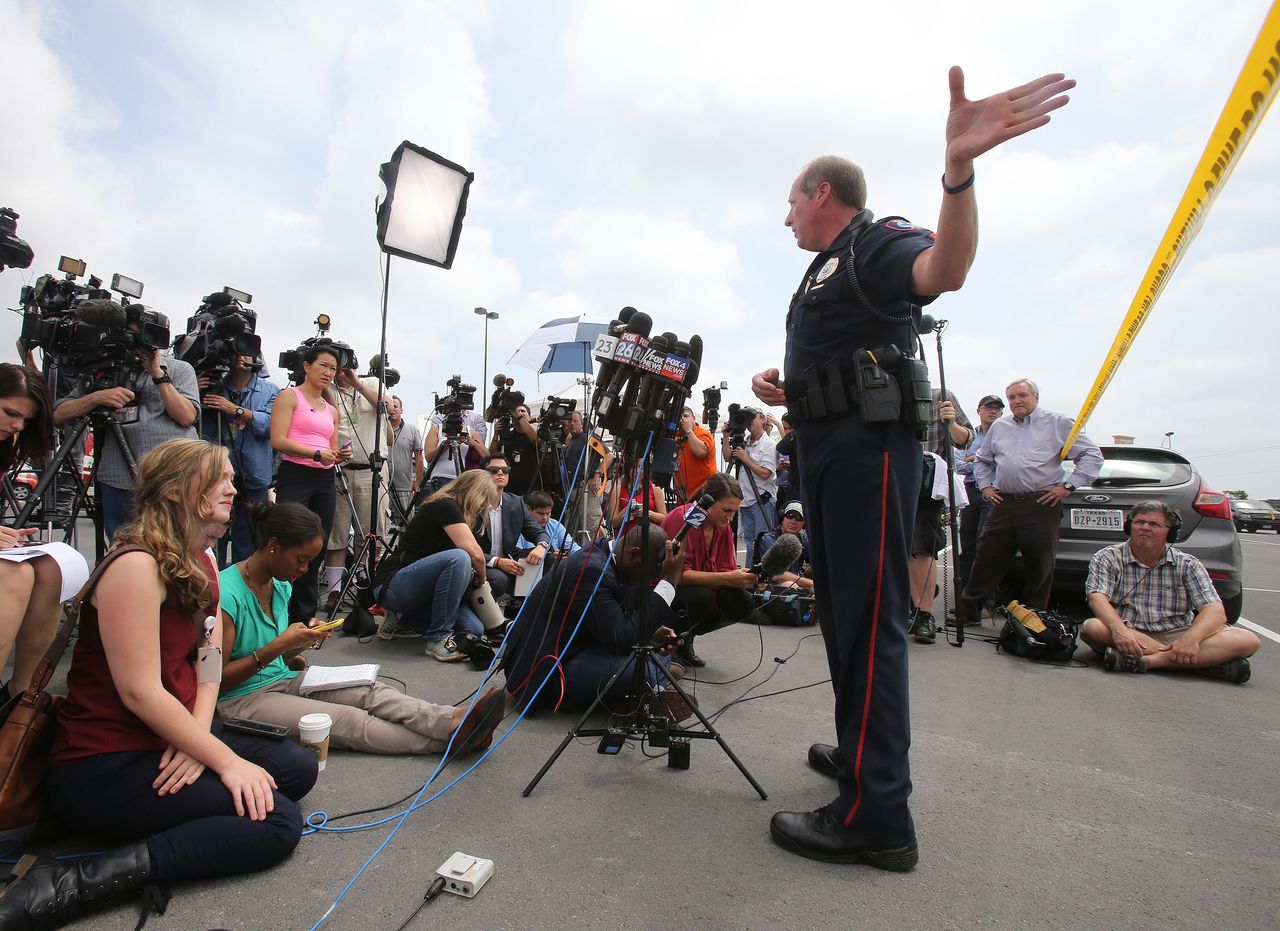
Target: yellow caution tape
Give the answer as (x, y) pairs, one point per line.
(1244, 110)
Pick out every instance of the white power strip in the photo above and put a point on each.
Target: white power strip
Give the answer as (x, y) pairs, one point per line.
(464, 874)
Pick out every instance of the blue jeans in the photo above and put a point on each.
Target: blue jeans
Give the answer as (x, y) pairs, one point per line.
(429, 595)
(587, 671)
(753, 521)
(117, 508)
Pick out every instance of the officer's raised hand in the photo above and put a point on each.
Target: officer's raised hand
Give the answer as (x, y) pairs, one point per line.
(978, 126)
(767, 386)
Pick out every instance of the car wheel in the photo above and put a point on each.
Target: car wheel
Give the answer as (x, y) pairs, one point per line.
(1233, 606)
(1251, 529)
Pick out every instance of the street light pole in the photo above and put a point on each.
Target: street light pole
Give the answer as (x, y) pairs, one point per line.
(1168, 439)
(488, 315)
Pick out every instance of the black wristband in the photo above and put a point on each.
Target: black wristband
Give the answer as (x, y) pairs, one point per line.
(959, 188)
(162, 380)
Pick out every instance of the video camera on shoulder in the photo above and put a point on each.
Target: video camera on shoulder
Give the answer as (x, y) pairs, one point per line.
(221, 329)
(84, 331)
(291, 359)
(739, 422)
(504, 401)
(555, 411)
(711, 407)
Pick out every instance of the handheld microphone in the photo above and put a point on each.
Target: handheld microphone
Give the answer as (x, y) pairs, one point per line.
(647, 372)
(606, 342)
(695, 517)
(779, 557)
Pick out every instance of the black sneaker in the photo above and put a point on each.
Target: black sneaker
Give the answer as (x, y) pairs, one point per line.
(1233, 670)
(924, 627)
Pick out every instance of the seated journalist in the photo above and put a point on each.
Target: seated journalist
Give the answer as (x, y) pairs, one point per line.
(266, 657)
(609, 629)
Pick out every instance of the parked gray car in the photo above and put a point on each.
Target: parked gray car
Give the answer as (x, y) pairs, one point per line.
(1093, 516)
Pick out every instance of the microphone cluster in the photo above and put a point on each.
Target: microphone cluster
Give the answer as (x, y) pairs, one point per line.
(643, 381)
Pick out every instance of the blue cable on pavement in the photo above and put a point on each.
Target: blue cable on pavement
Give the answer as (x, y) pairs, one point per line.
(417, 802)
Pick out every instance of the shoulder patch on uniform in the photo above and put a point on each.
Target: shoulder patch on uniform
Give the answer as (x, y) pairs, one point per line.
(828, 269)
(900, 225)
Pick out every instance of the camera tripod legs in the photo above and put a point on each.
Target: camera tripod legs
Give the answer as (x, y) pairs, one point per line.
(642, 656)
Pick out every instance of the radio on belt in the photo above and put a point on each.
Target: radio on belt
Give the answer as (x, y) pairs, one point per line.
(464, 874)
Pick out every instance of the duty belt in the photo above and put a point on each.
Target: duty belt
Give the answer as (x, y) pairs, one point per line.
(822, 394)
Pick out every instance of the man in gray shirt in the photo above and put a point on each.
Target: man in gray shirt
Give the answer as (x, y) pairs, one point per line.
(405, 457)
(1018, 471)
(167, 400)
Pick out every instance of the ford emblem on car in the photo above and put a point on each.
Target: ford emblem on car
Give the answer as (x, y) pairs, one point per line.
(1097, 499)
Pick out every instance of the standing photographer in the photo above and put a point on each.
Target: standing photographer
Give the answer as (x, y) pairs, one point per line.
(471, 445)
(759, 456)
(167, 400)
(237, 415)
(697, 456)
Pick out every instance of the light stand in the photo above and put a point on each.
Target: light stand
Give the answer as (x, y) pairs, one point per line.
(928, 324)
(419, 217)
(488, 315)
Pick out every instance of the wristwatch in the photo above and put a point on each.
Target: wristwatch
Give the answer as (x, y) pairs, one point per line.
(239, 411)
(1069, 487)
(316, 455)
(164, 378)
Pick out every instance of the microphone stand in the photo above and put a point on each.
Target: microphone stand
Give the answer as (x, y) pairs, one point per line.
(644, 721)
(948, 450)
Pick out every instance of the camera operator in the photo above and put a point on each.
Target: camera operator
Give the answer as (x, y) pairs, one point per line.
(471, 440)
(356, 399)
(697, 456)
(405, 455)
(516, 439)
(758, 454)
(237, 415)
(167, 399)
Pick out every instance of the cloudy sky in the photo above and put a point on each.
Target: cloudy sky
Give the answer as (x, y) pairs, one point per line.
(642, 155)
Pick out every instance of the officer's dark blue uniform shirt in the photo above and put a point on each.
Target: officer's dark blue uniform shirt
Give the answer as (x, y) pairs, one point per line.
(827, 320)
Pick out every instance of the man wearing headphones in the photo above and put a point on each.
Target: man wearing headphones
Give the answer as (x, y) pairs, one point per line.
(1155, 608)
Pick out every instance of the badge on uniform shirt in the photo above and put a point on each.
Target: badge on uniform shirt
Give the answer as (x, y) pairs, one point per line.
(897, 224)
(827, 270)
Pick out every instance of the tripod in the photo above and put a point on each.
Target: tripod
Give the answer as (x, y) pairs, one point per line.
(738, 468)
(101, 419)
(641, 722)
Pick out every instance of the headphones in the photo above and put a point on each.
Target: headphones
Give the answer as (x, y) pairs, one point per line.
(1174, 519)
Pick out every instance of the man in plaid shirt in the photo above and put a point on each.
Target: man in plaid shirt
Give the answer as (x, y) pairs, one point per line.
(1155, 607)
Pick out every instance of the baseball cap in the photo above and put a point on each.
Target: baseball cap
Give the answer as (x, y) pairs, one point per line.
(793, 508)
(992, 399)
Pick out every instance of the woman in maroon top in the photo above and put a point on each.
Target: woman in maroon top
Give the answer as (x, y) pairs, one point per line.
(137, 756)
(714, 592)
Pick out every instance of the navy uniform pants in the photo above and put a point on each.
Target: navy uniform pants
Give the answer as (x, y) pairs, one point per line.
(860, 486)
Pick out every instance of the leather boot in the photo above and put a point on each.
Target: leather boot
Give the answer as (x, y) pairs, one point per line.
(51, 894)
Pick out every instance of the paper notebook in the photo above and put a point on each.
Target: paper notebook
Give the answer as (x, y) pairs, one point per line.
(324, 678)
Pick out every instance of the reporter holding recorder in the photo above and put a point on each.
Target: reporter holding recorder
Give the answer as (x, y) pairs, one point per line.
(714, 592)
(304, 428)
(137, 756)
(261, 678)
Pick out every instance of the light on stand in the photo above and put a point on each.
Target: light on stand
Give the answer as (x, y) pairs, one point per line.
(420, 217)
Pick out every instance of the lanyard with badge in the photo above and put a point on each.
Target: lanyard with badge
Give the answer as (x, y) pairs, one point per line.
(209, 656)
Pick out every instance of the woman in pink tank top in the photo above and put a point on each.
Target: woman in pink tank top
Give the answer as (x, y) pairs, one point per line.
(304, 428)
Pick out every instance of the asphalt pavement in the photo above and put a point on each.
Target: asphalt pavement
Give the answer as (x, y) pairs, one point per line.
(1045, 797)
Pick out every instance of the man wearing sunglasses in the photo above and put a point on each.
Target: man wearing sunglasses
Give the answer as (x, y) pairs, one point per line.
(499, 536)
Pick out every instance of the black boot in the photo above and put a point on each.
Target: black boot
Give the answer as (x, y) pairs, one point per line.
(686, 655)
(52, 894)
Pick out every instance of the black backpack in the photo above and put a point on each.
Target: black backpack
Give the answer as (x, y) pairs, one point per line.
(1038, 636)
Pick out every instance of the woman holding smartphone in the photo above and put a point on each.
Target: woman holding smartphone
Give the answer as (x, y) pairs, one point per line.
(266, 657)
(304, 428)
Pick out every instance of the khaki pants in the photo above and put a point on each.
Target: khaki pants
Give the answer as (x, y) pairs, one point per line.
(360, 482)
(373, 719)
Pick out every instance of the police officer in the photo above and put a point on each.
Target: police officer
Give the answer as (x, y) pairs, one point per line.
(861, 467)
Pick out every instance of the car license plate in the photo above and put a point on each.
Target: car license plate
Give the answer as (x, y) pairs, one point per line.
(1096, 519)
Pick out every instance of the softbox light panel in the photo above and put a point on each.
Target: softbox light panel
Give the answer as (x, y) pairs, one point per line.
(420, 217)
